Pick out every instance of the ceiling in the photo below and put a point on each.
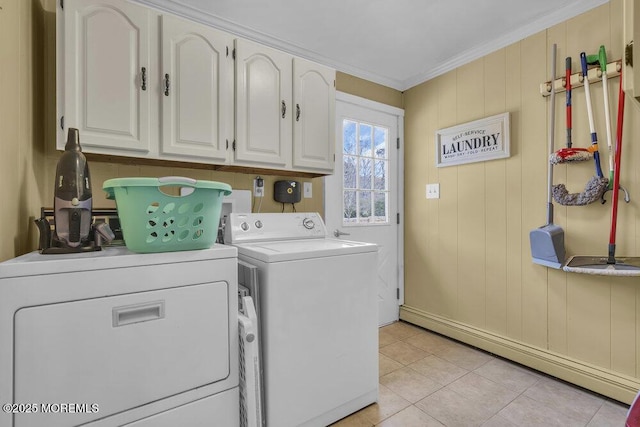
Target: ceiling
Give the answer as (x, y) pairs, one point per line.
(399, 43)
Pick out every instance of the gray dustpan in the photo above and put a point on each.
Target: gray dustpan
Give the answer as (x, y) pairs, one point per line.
(547, 245)
(547, 242)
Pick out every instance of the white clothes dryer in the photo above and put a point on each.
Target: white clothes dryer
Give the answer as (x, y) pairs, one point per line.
(114, 338)
(317, 309)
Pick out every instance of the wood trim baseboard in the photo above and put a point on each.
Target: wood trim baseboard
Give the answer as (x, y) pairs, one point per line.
(605, 382)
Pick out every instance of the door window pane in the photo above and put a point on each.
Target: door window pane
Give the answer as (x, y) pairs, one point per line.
(349, 132)
(364, 206)
(365, 140)
(350, 171)
(350, 213)
(365, 173)
(381, 138)
(380, 175)
(380, 207)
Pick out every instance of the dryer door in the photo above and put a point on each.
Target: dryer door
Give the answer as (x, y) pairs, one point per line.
(119, 352)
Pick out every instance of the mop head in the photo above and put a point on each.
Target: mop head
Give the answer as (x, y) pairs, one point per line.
(600, 266)
(593, 191)
(570, 155)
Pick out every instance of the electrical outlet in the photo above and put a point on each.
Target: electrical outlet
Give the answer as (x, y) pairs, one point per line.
(308, 190)
(258, 187)
(433, 191)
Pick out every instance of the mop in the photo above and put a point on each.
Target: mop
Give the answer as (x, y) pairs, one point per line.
(569, 154)
(610, 265)
(597, 185)
(547, 242)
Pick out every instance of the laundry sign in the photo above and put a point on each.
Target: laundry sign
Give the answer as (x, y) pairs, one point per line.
(477, 141)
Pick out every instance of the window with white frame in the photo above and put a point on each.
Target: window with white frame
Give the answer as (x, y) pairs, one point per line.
(365, 173)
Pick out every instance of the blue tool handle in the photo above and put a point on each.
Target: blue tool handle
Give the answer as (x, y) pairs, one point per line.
(583, 62)
(596, 157)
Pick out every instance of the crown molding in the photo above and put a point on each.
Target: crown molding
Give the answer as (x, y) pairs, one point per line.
(519, 34)
(180, 8)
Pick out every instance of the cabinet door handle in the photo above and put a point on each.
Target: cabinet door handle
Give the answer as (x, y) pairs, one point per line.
(297, 112)
(166, 85)
(284, 109)
(144, 78)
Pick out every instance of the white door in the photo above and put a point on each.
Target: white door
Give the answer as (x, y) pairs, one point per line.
(197, 90)
(363, 198)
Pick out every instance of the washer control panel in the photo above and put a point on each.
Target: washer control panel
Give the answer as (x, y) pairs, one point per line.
(256, 227)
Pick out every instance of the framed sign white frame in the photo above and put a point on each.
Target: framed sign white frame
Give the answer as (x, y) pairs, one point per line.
(476, 141)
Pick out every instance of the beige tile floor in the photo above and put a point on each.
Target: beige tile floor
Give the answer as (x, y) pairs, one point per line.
(429, 380)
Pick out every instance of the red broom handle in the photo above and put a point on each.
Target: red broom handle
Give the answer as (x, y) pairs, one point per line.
(616, 174)
(568, 102)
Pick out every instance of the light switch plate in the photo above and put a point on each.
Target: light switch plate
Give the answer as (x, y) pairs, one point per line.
(308, 190)
(433, 191)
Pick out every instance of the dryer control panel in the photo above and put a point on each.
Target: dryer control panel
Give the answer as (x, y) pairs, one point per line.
(258, 227)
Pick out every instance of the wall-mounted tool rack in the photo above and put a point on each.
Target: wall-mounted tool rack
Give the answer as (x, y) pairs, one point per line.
(577, 80)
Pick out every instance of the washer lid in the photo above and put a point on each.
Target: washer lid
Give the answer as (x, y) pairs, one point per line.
(289, 250)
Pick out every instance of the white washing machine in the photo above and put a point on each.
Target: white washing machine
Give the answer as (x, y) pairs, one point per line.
(113, 338)
(317, 313)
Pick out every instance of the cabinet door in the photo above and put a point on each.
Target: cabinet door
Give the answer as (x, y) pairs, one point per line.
(631, 29)
(263, 105)
(197, 90)
(106, 97)
(314, 95)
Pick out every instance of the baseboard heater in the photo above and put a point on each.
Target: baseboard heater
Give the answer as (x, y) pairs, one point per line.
(608, 383)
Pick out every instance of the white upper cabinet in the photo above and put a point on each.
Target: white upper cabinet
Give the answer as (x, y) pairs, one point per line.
(106, 61)
(263, 106)
(285, 108)
(314, 95)
(140, 83)
(631, 79)
(196, 90)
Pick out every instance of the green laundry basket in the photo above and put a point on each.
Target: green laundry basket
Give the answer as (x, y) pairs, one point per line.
(153, 221)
